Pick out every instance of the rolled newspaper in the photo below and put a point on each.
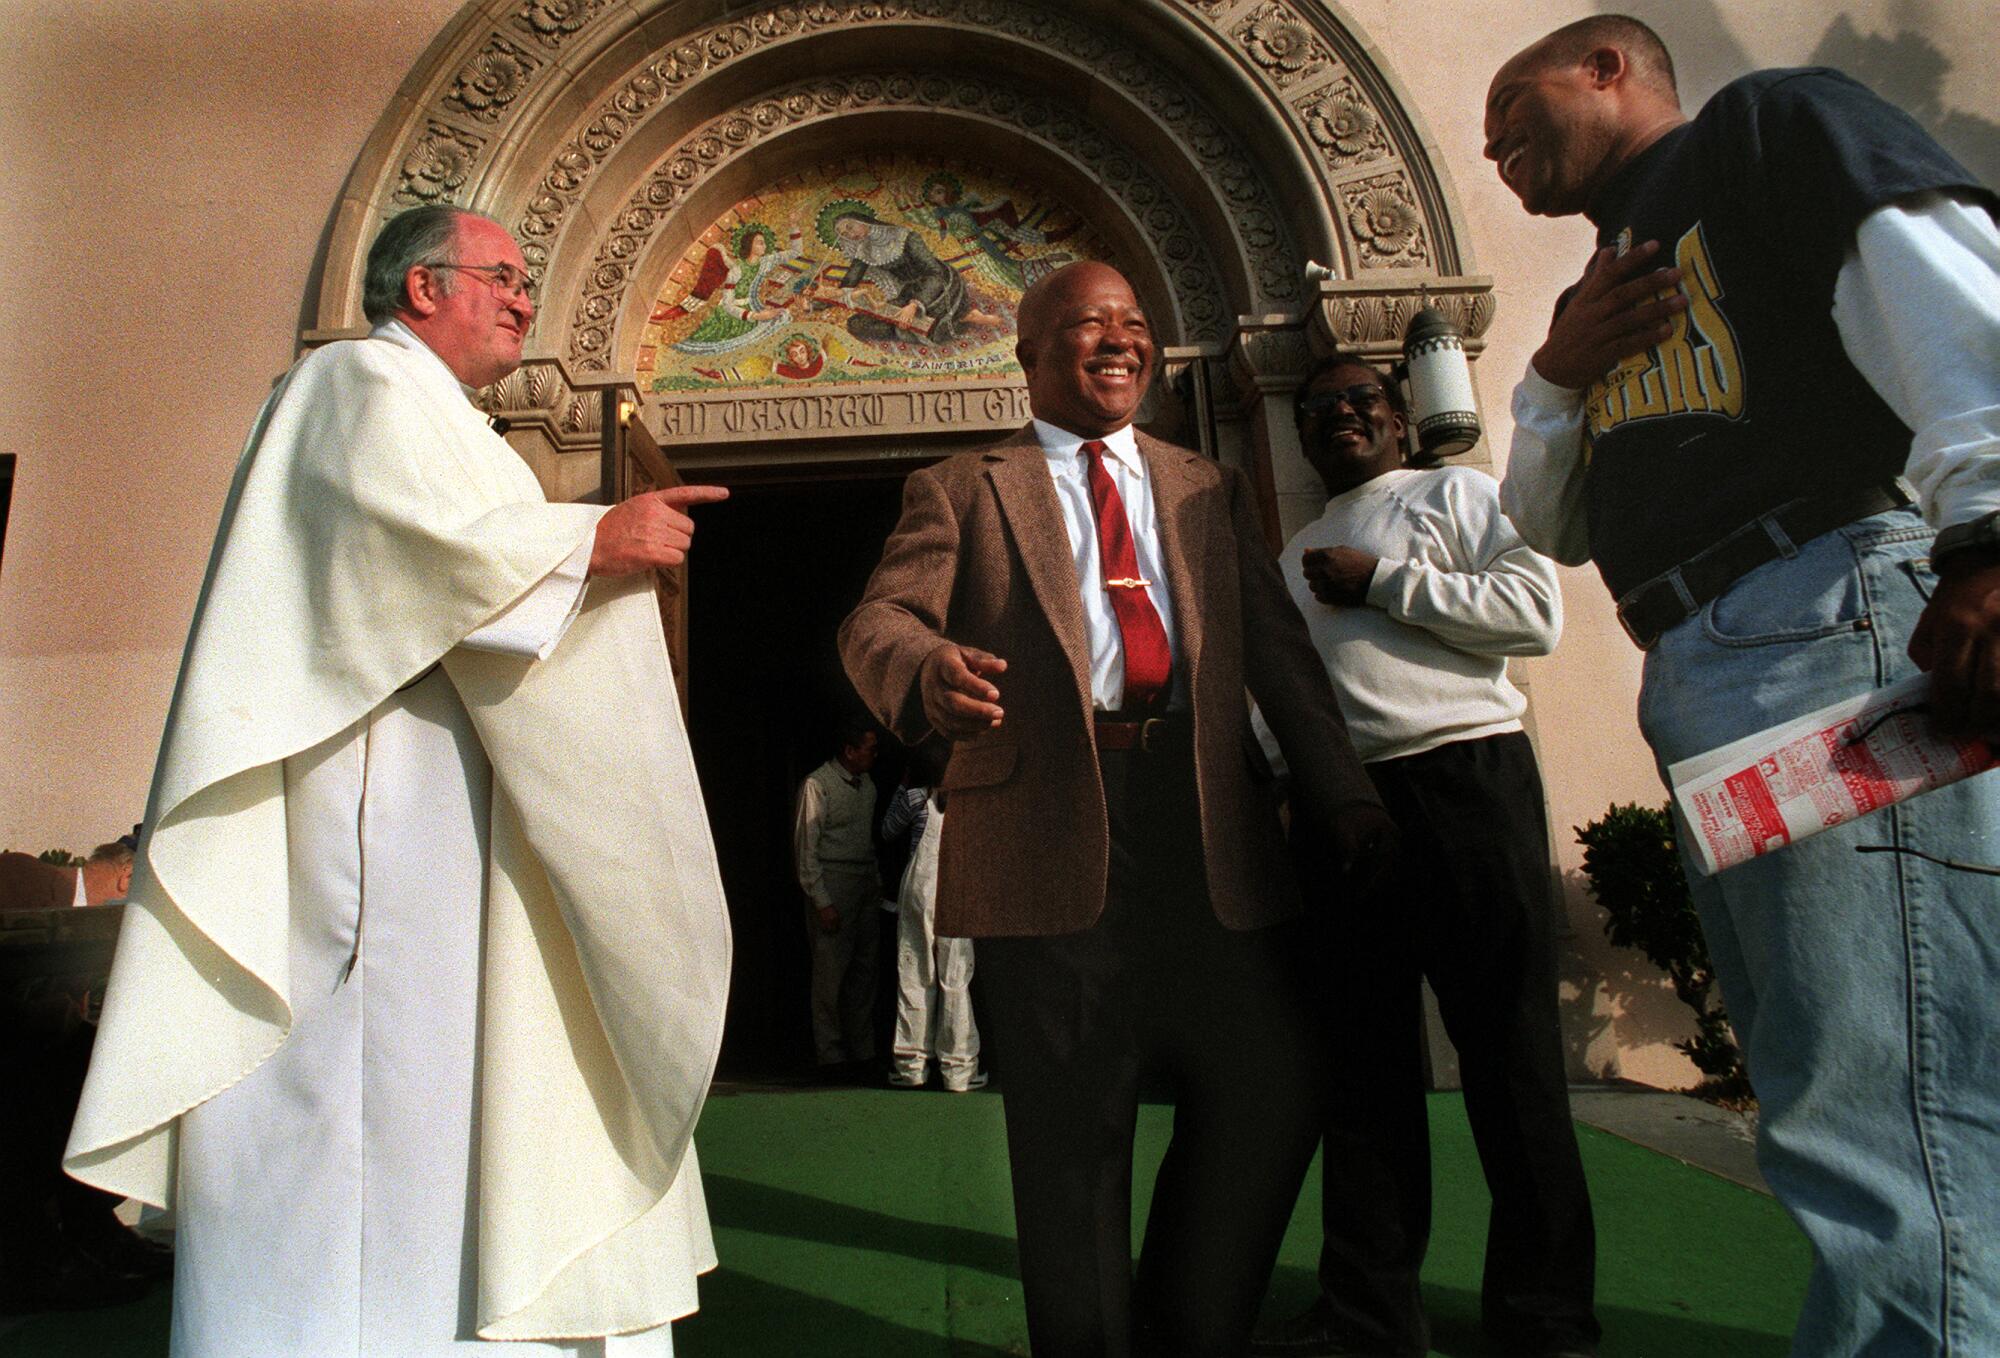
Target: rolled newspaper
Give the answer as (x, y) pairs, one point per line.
(1756, 795)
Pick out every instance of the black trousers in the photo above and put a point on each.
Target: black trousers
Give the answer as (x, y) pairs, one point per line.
(1469, 907)
(1156, 989)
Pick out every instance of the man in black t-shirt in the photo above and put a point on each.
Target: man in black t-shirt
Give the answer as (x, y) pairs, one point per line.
(1793, 317)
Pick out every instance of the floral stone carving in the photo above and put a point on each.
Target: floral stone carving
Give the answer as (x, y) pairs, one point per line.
(551, 21)
(438, 166)
(1277, 40)
(1344, 126)
(491, 81)
(1388, 229)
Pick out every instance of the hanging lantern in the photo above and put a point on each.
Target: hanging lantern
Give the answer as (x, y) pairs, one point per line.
(1442, 408)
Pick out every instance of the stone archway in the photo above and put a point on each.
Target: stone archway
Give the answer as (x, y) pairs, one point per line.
(1222, 148)
(1224, 145)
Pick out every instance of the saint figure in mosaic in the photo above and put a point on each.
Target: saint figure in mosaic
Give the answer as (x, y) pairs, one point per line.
(882, 269)
(998, 230)
(749, 297)
(920, 297)
(801, 358)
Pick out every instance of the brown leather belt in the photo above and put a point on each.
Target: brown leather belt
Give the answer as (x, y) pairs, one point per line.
(1148, 735)
(1649, 610)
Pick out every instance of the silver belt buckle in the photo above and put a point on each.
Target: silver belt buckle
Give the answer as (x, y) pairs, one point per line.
(1148, 728)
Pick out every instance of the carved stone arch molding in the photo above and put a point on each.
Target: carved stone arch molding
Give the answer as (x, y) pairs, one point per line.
(1219, 144)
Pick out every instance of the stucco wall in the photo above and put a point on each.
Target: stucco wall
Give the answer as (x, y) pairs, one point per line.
(174, 165)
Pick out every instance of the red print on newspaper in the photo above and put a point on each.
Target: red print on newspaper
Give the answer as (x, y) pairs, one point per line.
(1779, 786)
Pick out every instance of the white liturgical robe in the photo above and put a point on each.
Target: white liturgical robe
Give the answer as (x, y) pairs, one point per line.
(422, 979)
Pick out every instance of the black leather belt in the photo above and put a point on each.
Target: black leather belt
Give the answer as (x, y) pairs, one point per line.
(1647, 611)
(1148, 735)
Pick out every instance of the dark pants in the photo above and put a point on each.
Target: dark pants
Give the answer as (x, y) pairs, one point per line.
(1469, 908)
(1156, 988)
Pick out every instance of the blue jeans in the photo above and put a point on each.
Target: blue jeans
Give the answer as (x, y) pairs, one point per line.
(1865, 988)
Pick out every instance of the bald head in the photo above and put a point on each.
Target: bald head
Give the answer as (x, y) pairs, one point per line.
(1031, 317)
(1087, 349)
(1646, 56)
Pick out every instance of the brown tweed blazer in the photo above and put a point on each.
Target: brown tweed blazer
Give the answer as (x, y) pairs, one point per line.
(980, 558)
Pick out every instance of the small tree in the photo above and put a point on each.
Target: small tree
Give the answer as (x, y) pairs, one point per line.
(1634, 872)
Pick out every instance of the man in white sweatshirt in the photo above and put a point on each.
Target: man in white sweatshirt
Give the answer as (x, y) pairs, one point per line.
(1416, 590)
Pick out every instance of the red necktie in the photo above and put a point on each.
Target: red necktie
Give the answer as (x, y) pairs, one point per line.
(1148, 661)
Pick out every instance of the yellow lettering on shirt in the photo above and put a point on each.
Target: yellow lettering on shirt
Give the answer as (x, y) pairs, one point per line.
(1697, 369)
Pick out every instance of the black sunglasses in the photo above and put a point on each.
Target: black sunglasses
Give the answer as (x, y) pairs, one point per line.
(1360, 397)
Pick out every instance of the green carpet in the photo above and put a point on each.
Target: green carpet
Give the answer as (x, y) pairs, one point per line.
(878, 1224)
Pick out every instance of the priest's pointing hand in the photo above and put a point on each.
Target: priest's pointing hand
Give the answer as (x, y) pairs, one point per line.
(650, 531)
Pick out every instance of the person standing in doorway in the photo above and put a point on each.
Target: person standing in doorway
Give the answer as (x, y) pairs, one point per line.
(934, 1019)
(833, 848)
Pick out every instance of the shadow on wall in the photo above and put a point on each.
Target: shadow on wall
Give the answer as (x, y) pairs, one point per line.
(1589, 1050)
(1613, 999)
(1909, 71)
(1905, 68)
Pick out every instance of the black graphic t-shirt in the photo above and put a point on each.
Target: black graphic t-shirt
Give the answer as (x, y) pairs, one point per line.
(1752, 401)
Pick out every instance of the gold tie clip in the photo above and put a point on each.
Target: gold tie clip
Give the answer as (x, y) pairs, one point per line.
(1126, 582)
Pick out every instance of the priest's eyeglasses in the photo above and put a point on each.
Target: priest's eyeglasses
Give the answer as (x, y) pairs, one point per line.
(506, 281)
(1360, 398)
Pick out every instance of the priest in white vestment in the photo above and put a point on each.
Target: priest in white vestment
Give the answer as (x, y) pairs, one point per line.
(421, 983)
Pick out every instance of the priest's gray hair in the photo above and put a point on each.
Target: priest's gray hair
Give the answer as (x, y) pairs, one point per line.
(421, 234)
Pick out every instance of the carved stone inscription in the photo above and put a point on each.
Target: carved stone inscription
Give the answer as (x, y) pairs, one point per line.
(724, 418)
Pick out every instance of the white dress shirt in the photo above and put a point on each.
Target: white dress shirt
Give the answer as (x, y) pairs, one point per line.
(1070, 471)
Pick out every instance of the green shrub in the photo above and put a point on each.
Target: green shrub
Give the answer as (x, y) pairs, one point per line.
(1634, 872)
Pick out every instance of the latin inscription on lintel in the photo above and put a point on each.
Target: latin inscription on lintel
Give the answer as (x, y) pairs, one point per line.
(861, 409)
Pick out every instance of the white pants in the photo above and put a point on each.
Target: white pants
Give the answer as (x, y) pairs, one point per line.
(933, 977)
(328, 1202)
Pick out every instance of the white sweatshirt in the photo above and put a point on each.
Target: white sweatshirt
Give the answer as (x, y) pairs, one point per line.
(1423, 663)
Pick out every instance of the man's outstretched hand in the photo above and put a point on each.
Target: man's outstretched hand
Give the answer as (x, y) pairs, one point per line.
(959, 700)
(1958, 641)
(1617, 310)
(650, 531)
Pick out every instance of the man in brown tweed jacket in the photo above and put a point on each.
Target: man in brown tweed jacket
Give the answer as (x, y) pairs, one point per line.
(1109, 841)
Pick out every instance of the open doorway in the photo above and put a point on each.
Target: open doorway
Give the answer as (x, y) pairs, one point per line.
(775, 569)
